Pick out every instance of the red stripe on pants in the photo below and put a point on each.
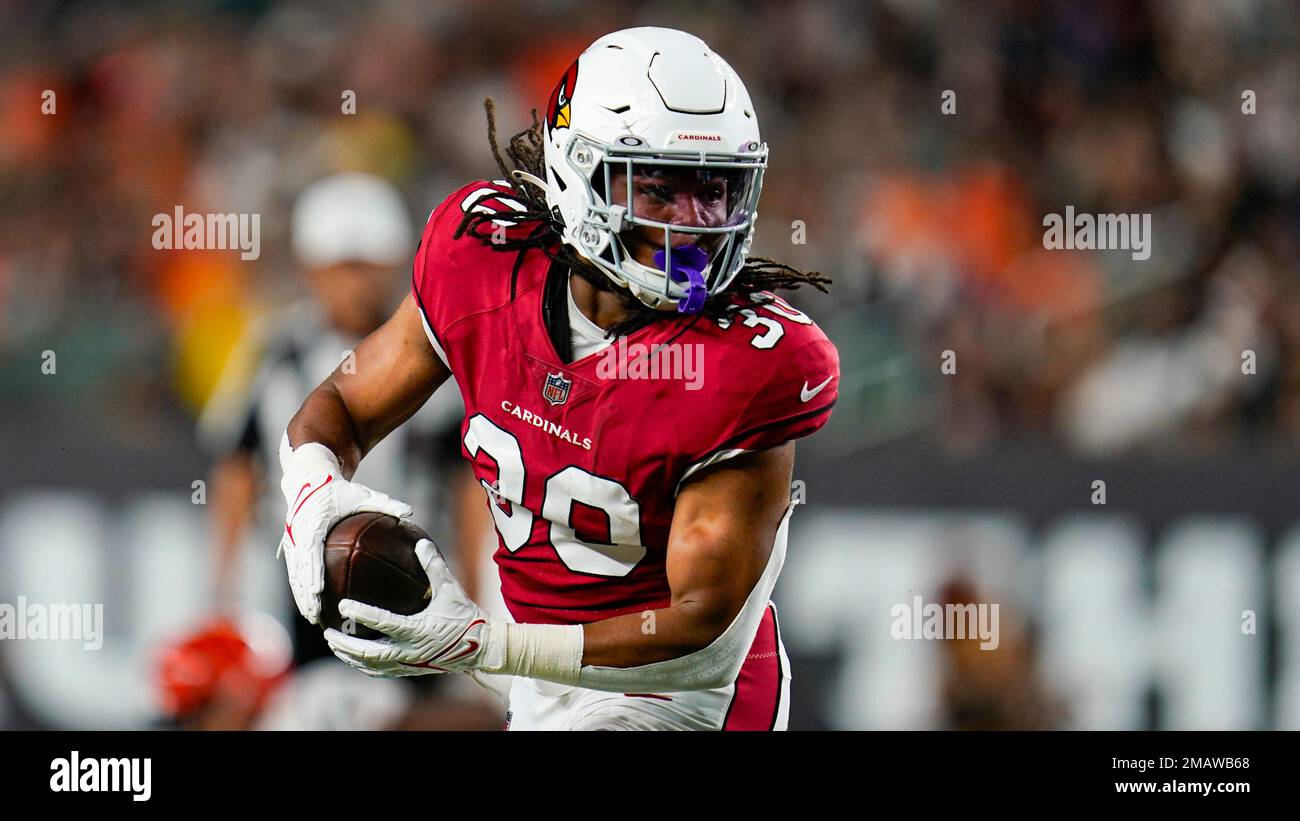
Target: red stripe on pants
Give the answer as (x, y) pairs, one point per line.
(758, 687)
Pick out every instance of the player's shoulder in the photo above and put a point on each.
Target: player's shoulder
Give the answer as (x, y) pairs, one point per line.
(460, 266)
(448, 230)
(770, 375)
(762, 329)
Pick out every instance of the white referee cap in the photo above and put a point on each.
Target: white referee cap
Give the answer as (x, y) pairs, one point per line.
(351, 218)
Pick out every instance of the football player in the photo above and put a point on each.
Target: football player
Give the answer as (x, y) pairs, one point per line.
(642, 514)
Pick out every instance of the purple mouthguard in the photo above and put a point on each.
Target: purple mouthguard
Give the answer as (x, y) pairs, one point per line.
(689, 262)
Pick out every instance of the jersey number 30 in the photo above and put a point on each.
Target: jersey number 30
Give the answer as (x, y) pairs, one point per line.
(571, 485)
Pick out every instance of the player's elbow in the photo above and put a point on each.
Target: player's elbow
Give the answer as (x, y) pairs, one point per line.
(717, 661)
(716, 664)
(707, 618)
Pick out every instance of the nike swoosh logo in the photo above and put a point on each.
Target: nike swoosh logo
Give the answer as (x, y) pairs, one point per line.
(473, 645)
(805, 394)
(288, 526)
(428, 664)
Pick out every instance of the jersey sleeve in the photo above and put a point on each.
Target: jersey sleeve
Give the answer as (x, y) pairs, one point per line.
(794, 400)
(449, 278)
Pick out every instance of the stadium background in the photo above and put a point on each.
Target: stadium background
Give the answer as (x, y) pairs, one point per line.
(1072, 366)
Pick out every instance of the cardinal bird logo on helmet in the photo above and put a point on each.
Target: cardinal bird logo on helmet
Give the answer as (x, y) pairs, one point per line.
(558, 109)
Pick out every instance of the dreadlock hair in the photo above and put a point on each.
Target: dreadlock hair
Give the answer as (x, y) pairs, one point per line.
(526, 151)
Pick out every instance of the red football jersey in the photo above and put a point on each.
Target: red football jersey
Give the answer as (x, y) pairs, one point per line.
(582, 461)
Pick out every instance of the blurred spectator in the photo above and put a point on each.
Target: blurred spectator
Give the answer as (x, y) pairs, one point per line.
(996, 689)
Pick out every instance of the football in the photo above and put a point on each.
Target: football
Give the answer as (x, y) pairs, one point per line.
(370, 557)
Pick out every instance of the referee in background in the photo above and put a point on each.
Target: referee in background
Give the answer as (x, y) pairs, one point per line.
(352, 239)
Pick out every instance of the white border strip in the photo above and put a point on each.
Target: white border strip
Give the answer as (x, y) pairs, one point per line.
(432, 339)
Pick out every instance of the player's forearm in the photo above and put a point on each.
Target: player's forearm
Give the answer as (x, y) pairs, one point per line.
(652, 635)
(668, 650)
(325, 418)
(396, 371)
(698, 643)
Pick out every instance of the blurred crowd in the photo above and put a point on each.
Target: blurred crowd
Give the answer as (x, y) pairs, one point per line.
(925, 207)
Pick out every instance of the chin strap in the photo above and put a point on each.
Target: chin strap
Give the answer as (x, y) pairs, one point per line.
(689, 263)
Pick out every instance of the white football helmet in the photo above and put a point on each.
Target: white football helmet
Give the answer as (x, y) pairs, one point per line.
(652, 97)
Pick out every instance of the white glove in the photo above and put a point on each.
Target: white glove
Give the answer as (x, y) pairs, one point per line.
(318, 497)
(451, 634)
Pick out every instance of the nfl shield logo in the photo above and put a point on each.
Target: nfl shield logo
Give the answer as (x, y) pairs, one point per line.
(556, 389)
